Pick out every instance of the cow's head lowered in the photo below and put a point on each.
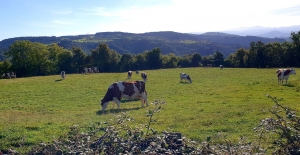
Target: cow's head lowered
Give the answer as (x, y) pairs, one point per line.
(128, 90)
(184, 76)
(144, 76)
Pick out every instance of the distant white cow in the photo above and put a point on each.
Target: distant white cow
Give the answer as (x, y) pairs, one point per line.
(144, 76)
(13, 75)
(184, 76)
(6, 75)
(9, 75)
(284, 74)
(129, 74)
(95, 69)
(63, 74)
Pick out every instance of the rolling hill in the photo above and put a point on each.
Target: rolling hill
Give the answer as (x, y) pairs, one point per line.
(168, 41)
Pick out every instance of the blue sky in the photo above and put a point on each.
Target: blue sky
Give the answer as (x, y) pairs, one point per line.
(64, 17)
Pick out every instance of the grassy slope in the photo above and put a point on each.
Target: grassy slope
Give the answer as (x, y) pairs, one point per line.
(231, 100)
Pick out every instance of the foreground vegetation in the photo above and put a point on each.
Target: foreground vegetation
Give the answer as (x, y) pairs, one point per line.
(231, 101)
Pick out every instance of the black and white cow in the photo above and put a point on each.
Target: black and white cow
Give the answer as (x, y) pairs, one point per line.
(284, 74)
(95, 70)
(9, 75)
(184, 76)
(6, 76)
(129, 74)
(128, 90)
(63, 74)
(144, 76)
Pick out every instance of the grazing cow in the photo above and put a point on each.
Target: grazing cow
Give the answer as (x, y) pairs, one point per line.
(128, 90)
(284, 74)
(88, 70)
(185, 77)
(221, 66)
(144, 76)
(63, 74)
(129, 74)
(9, 75)
(13, 75)
(6, 75)
(95, 70)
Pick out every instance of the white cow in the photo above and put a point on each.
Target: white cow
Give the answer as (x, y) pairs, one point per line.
(144, 76)
(129, 74)
(6, 75)
(9, 75)
(128, 90)
(63, 74)
(184, 76)
(284, 74)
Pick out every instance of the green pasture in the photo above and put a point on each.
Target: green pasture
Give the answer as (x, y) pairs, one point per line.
(231, 101)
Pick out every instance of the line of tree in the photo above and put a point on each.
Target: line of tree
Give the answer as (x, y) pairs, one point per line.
(36, 59)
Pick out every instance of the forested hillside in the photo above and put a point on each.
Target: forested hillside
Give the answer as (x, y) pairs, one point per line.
(169, 42)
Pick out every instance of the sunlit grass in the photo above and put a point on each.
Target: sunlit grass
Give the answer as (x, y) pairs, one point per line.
(231, 100)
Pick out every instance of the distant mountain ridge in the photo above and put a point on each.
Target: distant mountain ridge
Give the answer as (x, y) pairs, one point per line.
(269, 32)
(168, 41)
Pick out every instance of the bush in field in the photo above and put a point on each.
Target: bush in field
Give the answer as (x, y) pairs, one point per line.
(118, 137)
(285, 125)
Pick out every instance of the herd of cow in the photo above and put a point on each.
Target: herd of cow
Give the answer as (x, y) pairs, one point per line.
(137, 89)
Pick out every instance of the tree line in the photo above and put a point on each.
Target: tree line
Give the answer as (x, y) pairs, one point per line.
(28, 58)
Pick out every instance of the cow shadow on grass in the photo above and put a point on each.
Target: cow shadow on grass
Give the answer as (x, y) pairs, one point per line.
(288, 85)
(184, 82)
(116, 110)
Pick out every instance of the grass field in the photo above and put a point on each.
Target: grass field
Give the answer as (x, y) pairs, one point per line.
(231, 100)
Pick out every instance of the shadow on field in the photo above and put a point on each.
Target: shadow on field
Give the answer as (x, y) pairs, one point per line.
(58, 80)
(185, 82)
(289, 85)
(116, 110)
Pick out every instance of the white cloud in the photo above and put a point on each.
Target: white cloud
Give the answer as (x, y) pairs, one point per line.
(60, 22)
(62, 12)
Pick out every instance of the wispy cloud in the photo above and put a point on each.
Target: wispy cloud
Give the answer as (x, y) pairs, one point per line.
(60, 22)
(289, 11)
(62, 12)
(98, 11)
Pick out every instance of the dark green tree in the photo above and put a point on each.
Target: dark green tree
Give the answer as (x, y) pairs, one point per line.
(218, 58)
(28, 58)
(154, 58)
(5, 67)
(207, 60)
(64, 62)
(141, 61)
(127, 63)
(78, 60)
(103, 58)
(259, 48)
(185, 61)
(196, 60)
